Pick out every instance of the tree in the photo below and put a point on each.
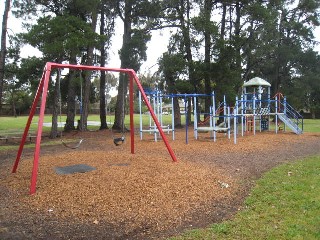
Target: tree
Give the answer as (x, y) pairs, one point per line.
(107, 19)
(278, 32)
(62, 38)
(3, 47)
(303, 90)
(171, 66)
(89, 61)
(138, 18)
(203, 25)
(17, 93)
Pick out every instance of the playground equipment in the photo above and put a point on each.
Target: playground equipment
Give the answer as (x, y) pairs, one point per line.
(155, 97)
(251, 112)
(214, 116)
(257, 106)
(42, 93)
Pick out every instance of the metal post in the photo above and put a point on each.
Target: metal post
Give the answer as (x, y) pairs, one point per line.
(229, 125)
(195, 120)
(254, 114)
(235, 131)
(140, 109)
(131, 113)
(276, 107)
(172, 117)
(173, 156)
(31, 114)
(284, 110)
(242, 116)
(213, 116)
(186, 117)
(39, 132)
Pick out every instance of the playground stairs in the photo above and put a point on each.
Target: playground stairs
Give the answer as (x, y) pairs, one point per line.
(291, 118)
(292, 124)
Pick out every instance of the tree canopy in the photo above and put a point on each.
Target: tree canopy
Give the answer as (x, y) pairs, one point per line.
(214, 46)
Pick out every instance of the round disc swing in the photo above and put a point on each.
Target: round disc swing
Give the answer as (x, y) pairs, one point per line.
(77, 145)
(119, 140)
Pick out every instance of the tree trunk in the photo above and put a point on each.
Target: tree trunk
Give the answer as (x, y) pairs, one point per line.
(123, 79)
(71, 103)
(13, 105)
(177, 114)
(121, 103)
(275, 84)
(56, 107)
(237, 41)
(103, 117)
(87, 82)
(247, 52)
(3, 47)
(185, 27)
(223, 21)
(207, 55)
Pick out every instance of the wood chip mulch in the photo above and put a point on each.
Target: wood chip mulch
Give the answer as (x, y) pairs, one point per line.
(143, 195)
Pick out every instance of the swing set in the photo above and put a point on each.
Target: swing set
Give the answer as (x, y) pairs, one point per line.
(116, 140)
(41, 96)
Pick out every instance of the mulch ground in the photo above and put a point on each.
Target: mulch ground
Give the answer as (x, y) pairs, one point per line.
(138, 196)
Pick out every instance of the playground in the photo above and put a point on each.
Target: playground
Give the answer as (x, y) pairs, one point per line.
(138, 196)
(150, 187)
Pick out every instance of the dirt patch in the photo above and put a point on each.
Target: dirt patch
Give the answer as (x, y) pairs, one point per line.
(140, 196)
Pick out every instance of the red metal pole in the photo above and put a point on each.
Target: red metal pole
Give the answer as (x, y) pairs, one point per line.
(26, 129)
(173, 156)
(40, 126)
(131, 112)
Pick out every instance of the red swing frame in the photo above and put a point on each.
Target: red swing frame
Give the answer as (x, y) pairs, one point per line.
(42, 92)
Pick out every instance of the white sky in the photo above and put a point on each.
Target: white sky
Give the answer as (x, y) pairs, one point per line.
(156, 46)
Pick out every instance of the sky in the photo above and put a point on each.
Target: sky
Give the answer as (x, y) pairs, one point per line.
(156, 47)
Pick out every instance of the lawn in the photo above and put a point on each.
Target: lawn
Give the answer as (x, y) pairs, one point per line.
(311, 125)
(284, 204)
(12, 125)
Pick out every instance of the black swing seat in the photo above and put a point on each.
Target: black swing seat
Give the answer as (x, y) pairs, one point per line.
(72, 147)
(118, 141)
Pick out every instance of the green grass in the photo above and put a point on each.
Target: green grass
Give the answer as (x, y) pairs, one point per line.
(12, 125)
(31, 145)
(285, 204)
(311, 125)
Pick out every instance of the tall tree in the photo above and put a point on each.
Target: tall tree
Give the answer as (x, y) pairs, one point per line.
(62, 38)
(80, 18)
(89, 61)
(3, 47)
(137, 17)
(171, 66)
(278, 32)
(107, 23)
(206, 27)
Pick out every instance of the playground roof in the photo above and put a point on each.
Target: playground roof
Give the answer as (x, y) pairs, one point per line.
(256, 82)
